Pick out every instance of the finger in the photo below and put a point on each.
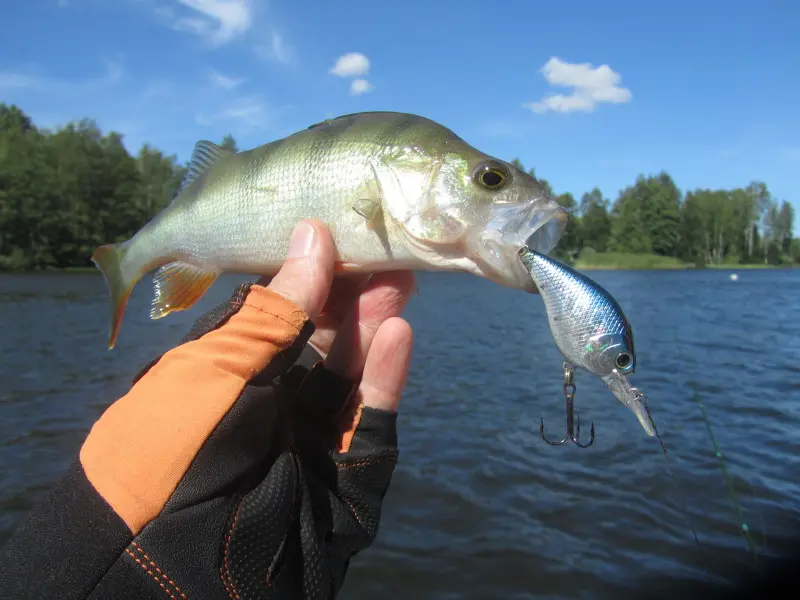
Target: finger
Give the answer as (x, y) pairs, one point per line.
(343, 295)
(386, 368)
(385, 296)
(306, 275)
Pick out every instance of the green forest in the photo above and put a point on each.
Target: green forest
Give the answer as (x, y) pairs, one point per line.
(66, 191)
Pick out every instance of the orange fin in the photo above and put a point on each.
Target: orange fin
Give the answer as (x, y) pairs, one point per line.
(178, 286)
(345, 267)
(109, 259)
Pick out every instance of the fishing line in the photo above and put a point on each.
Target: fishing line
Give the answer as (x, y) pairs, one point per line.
(743, 526)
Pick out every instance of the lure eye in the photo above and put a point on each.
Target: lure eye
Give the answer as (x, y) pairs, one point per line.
(623, 360)
(492, 177)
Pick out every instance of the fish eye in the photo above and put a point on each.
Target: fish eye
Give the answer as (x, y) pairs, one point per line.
(492, 177)
(623, 360)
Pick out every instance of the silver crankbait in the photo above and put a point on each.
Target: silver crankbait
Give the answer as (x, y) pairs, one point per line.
(591, 331)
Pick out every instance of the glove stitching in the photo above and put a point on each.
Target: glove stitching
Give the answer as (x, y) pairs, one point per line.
(354, 513)
(271, 314)
(160, 572)
(366, 462)
(361, 463)
(153, 575)
(224, 571)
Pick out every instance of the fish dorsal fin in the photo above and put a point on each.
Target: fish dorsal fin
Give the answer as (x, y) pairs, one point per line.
(204, 156)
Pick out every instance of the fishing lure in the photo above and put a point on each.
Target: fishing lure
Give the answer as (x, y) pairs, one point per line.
(591, 331)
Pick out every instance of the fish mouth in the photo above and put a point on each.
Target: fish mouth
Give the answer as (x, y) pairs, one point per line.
(537, 224)
(631, 397)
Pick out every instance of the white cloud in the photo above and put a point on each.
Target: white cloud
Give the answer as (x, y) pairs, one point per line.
(218, 20)
(591, 86)
(224, 81)
(18, 80)
(14, 80)
(250, 112)
(360, 86)
(276, 50)
(353, 64)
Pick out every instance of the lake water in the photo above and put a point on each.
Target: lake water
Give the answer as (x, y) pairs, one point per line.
(480, 506)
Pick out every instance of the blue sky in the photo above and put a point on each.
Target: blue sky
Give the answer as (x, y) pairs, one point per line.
(589, 93)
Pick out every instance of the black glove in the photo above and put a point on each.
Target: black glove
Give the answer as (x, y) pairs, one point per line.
(237, 466)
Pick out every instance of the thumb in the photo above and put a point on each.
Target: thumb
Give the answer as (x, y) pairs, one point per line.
(306, 275)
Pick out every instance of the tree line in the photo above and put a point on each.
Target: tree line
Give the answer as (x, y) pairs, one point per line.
(65, 191)
(700, 227)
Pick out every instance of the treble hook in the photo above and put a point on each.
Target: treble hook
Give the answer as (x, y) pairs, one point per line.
(573, 426)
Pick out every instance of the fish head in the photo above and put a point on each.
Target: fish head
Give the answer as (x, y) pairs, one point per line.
(519, 214)
(605, 353)
(476, 210)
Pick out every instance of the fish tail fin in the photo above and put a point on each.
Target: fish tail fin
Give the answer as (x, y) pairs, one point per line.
(109, 259)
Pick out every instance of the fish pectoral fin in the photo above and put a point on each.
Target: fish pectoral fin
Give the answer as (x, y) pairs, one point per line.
(204, 156)
(178, 286)
(368, 208)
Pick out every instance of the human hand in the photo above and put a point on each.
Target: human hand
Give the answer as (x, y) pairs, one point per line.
(213, 477)
(357, 329)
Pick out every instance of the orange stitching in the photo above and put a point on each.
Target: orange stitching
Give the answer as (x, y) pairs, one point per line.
(226, 575)
(153, 575)
(361, 463)
(272, 314)
(353, 512)
(225, 584)
(160, 572)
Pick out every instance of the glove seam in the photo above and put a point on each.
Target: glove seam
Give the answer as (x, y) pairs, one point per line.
(354, 513)
(224, 570)
(154, 576)
(363, 463)
(155, 566)
(272, 314)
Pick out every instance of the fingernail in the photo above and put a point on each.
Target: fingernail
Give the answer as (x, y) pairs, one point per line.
(302, 240)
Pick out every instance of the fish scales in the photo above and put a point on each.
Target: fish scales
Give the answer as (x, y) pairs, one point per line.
(265, 203)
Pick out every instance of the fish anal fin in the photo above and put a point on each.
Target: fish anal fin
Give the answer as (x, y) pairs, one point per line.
(178, 286)
(204, 156)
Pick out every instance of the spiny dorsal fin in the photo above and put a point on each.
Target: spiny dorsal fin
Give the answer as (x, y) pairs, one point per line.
(177, 286)
(204, 155)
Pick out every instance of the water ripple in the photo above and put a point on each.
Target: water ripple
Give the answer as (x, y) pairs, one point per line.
(479, 505)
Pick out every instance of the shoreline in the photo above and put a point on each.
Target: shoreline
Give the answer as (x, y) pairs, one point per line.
(748, 267)
(579, 266)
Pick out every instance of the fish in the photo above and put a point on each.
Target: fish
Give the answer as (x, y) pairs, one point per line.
(589, 328)
(397, 191)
